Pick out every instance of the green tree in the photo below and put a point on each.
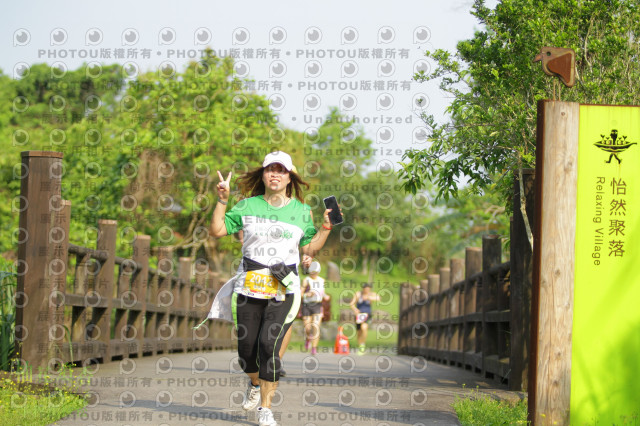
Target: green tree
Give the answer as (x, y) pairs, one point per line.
(378, 217)
(36, 114)
(461, 222)
(145, 151)
(142, 151)
(336, 158)
(490, 130)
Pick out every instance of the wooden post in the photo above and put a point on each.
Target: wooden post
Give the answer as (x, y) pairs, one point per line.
(434, 285)
(401, 319)
(404, 319)
(418, 315)
(456, 307)
(432, 338)
(422, 308)
(58, 272)
(445, 278)
(473, 265)
(104, 285)
(407, 310)
(409, 319)
(199, 296)
(491, 256)
(445, 285)
(175, 312)
(141, 247)
(79, 311)
(521, 275)
(163, 299)
(208, 287)
(119, 346)
(39, 197)
(193, 314)
(217, 326)
(184, 324)
(552, 294)
(411, 342)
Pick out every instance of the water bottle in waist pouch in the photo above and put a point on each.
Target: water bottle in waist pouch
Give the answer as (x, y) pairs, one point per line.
(286, 274)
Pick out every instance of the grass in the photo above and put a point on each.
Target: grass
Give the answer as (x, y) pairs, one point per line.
(25, 401)
(480, 409)
(8, 285)
(35, 406)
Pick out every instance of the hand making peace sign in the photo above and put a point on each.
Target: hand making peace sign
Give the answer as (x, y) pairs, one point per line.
(224, 187)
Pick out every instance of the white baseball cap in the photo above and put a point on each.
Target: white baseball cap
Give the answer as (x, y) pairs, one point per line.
(279, 157)
(314, 267)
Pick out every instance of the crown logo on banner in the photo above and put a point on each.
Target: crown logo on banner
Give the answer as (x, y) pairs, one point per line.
(614, 145)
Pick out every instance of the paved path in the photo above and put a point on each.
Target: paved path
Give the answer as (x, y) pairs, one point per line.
(206, 388)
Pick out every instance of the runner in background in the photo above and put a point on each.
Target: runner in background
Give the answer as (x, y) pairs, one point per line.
(312, 296)
(361, 306)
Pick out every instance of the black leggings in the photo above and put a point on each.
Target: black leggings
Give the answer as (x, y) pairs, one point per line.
(261, 325)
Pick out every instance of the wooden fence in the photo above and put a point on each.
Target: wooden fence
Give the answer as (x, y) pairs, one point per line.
(475, 313)
(465, 322)
(84, 305)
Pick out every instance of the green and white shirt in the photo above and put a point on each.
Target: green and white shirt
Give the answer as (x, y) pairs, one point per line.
(270, 235)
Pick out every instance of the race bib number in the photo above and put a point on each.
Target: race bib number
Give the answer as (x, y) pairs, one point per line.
(260, 284)
(361, 317)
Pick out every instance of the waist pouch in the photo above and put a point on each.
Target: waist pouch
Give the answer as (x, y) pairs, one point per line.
(283, 273)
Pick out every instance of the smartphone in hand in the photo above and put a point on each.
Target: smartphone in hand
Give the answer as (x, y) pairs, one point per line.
(335, 217)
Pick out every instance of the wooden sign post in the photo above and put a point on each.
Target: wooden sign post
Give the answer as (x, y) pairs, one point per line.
(586, 279)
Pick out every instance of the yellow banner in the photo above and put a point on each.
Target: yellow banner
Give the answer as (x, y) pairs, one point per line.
(605, 359)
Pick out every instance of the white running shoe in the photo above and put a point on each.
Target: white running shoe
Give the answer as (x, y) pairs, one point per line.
(265, 417)
(251, 397)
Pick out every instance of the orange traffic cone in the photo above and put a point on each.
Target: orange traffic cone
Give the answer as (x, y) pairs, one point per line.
(342, 343)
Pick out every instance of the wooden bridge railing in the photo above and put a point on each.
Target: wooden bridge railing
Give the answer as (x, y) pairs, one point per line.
(475, 313)
(461, 322)
(83, 305)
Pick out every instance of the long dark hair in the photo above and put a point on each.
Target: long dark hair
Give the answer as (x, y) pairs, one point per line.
(251, 184)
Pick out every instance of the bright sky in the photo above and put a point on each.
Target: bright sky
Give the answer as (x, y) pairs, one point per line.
(306, 56)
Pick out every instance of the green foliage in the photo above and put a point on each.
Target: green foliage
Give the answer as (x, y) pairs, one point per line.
(8, 286)
(490, 131)
(20, 408)
(141, 151)
(145, 152)
(378, 218)
(462, 222)
(161, 151)
(385, 229)
(483, 410)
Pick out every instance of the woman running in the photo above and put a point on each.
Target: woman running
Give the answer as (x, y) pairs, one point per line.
(266, 289)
